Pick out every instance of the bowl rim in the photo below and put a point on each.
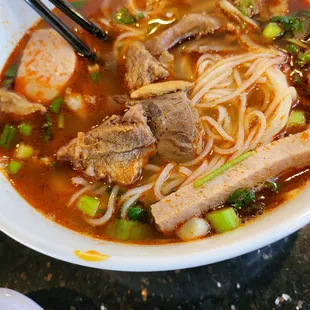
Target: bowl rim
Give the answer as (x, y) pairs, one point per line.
(240, 241)
(39, 233)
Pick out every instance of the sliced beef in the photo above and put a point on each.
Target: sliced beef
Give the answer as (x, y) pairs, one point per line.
(267, 162)
(14, 103)
(188, 26)
(175, 124)
(158, 89)
(207, 45)
(142, 67)
(117, 150)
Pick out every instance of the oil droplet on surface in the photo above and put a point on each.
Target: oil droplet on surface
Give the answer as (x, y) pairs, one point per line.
(91, 256)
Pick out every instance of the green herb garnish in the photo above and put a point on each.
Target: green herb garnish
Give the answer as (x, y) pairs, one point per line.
(78, 4)
(290, 23)
(48, 128)
(123, 16)
(95, 76)
(241, 198)
(222, 169)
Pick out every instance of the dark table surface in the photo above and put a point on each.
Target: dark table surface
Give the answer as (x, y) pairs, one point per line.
(274, 277)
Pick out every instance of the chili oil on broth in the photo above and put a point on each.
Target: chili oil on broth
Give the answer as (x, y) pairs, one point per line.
(49, 188)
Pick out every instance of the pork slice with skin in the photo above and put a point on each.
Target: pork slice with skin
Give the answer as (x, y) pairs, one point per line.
(46, 67)
(17, 104)
(267, 162)
(188, 26)
(117, 150)
(142, 68)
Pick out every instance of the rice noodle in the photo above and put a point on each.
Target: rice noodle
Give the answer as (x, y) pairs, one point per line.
(161, 180)
(76, 195)
(153, 168)
(197, 173)
(79, 181)
(172, 185)
(185, 171)
(218, 128)
(201, 156)
(128, 203)
(110, 209)
(136, 191)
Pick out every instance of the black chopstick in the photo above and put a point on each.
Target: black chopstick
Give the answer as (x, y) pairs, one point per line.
(81, 48)
(86, 24)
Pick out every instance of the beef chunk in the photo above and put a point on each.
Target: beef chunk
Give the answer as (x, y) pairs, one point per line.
(142, 67)
(116, 150)
(14, 103)
(175, 124)
(189, 25)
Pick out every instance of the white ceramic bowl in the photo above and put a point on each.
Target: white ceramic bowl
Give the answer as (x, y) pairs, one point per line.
(26, 225)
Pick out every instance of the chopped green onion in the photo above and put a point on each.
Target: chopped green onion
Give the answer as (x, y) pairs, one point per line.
(56, 105)
(5, 134)
(88, 205)
(290, 23)
(306, 13)
(61, 121)
(292, 49)
(298, 43)
(25, 129)
(222, 169)
(7, 82)
(223, 220)
(12, 71)
(296, 78)
(14, 166)
(303, 59)
(95, 77)
(8, 136)
(242, 197)
(136, 213)
(11, 137)
(48, 128)
(24, 151)
(123, 16)
(139, 16)
(297, 118)
(272, 31)
(125, 230)
(78, 4)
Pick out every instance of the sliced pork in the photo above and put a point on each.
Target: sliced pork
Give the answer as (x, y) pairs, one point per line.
(142, 67)
(46, 67)
(267, 162)
(117, 150)
(16, 104)
(188, 26)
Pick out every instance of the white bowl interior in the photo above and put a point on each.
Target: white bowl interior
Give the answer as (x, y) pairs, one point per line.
(20, 221)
